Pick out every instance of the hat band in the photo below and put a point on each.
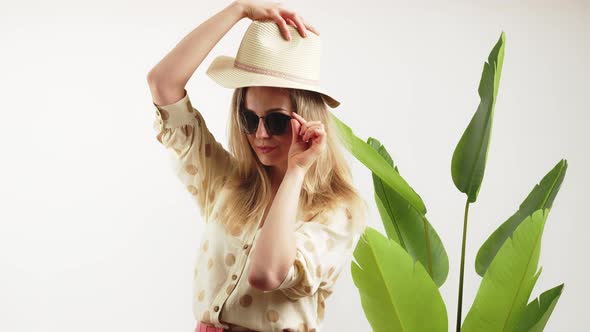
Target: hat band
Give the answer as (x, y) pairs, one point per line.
(275, 73)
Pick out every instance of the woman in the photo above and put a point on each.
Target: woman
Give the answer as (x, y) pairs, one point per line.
(280, 223)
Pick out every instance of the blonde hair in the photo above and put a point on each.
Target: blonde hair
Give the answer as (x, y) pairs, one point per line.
(327, 183)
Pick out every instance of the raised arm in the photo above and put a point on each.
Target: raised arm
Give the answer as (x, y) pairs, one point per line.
(202, 163)
(169, 77)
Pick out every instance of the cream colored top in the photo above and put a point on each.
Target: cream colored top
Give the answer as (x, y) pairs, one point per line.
(222, 295)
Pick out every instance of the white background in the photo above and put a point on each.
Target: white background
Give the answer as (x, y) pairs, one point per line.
(97, 234)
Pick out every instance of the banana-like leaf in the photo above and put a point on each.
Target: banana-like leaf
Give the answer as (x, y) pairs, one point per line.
(405, 225)
(542, 196)
(397, 294)
(370, 158)
(469, 159)
(508, 282)
(537, 313)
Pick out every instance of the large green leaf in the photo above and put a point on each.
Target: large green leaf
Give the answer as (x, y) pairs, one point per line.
(508, 282)
(406, 226)
(469, 158)
(397, 294)
(542, 196)
(537, 313)
(370, 158)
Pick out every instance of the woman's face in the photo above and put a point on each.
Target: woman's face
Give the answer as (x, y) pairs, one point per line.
(262, 100)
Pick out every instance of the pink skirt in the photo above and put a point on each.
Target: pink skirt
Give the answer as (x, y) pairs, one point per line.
(204, 327)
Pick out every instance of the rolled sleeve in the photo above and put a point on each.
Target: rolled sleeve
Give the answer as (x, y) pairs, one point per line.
(324, 247)
(292, 278)
(176, 114)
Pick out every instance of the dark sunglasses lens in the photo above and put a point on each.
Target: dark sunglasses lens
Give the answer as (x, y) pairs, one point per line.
(277, 123)
(249, 122)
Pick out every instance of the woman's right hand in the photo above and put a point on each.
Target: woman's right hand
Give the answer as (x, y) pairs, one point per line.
(266, 10)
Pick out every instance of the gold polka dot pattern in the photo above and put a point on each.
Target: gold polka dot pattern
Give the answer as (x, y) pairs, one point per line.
(246, 300)
(206, 317)
(322, 239)
(165, 114)
(272, 315)
(190, 169)
(236, 231)
(348, 214)
(210, 264)
(192, 189)
(230, 259)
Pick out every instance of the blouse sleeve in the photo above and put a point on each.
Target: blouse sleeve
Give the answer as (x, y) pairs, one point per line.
(324, 247)
(202, 163)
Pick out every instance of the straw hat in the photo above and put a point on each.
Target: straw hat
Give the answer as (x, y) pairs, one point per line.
(266, 58)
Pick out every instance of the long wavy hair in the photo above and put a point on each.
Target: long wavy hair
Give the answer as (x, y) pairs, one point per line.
(327, 183)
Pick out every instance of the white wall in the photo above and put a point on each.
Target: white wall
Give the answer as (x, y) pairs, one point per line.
(96, 234)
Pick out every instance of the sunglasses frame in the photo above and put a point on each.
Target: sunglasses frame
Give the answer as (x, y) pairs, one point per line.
(264, 121)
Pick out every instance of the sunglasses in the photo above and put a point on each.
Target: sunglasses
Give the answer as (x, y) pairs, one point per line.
(276, 123)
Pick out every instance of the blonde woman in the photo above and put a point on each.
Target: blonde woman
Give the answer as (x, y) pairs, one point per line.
(280, 212)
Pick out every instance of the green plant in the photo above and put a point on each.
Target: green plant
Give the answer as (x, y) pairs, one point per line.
(398, 276)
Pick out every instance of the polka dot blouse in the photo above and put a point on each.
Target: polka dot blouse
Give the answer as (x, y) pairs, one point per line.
(222, 295)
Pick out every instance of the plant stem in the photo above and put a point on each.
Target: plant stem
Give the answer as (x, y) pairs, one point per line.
(460, 302)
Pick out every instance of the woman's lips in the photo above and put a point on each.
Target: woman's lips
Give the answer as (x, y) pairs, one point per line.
(266, 149)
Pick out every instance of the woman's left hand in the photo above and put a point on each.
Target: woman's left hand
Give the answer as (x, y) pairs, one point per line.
(308, 141)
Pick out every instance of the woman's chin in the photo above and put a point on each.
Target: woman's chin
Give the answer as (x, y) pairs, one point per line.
(266, 161)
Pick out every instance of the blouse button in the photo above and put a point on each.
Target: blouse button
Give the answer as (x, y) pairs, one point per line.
(245, 246)
(234, 277)
(216, 308)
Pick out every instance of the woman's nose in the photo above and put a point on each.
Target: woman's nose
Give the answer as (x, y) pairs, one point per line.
(261, 130)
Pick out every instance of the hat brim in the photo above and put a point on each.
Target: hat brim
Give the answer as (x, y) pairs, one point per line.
(223, 72)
